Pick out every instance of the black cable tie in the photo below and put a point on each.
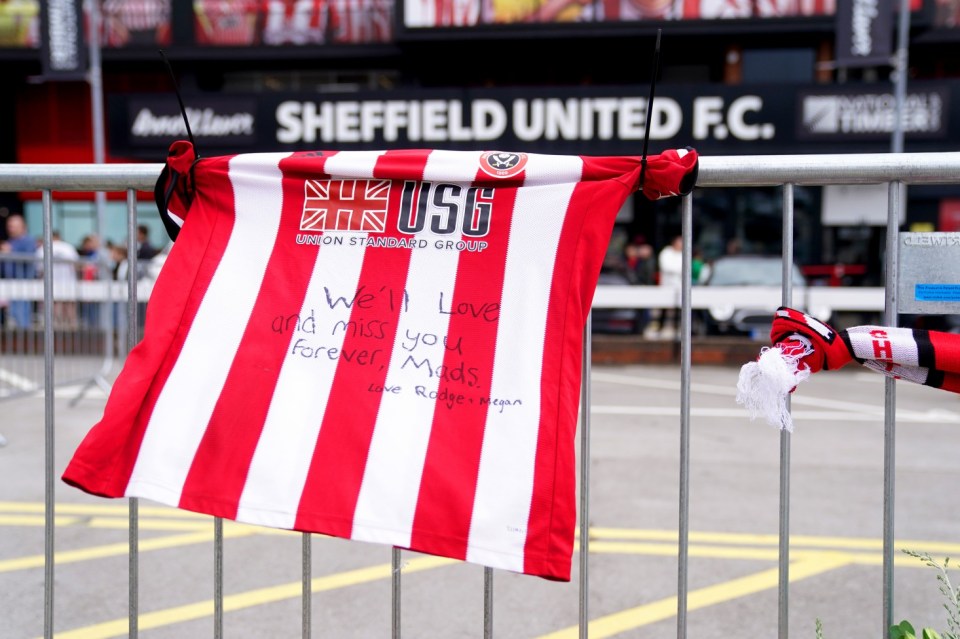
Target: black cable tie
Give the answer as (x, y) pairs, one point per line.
(183, 110)
(653, 87)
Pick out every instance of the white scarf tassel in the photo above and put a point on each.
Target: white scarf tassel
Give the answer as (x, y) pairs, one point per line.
(764, 385)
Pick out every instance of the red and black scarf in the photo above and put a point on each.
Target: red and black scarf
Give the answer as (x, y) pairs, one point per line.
(803, 345)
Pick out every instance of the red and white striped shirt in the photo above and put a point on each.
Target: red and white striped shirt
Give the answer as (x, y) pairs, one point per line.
(381, 346)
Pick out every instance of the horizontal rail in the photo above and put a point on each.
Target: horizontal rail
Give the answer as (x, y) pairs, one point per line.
(80, 291)
(820, 301)
(865, 168)
(715, 171)
(78, 177)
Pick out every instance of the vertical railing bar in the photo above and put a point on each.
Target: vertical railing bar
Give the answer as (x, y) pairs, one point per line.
(106, 308)
(890, 317)
(585, 396)
(787, 245)
(133, 267)
(217, 577)
(487, 603)
(306, 598)
(90, 334)
(133, 561)
(23, 332)
(786, 285)
(683, 530)
(395, 593)
(82, 335)
(48, 397)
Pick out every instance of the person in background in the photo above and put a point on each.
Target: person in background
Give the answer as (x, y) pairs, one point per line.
(90, 262)
(641, 269)
(145, 250)
(664, 322)
(65, 270)
(118, 257)
(698, 267)
(17, 261)
(641, 266)
(121, 266)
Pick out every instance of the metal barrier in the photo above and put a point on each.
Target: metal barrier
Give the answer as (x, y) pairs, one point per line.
(86, 316)
(896, 170)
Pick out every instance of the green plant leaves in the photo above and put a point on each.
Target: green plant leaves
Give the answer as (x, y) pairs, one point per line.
(904, 630)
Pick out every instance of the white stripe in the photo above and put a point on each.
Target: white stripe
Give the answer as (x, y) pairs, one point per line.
(355, 164)
(505, 479)
(893, 344)
(281, 462)
(552, 170)
(391, 482)
(187, 400)
(278, 470)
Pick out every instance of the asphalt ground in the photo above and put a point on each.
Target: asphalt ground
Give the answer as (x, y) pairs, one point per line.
(836, 524)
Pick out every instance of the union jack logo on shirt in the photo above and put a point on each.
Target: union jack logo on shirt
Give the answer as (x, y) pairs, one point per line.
(345, 205)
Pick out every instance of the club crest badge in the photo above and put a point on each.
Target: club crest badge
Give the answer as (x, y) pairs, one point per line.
(500, 164)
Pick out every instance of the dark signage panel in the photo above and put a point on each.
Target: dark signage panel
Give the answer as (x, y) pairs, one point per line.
(864, 32)
(721, 120)
(63, 53)
(220, 121)
(839, 114)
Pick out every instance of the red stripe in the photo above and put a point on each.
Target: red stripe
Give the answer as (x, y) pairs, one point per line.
(583, 242)
(336, 471)
(951, 382)
(449, 480)
(114, 443)
(946, 349)
(219, 470)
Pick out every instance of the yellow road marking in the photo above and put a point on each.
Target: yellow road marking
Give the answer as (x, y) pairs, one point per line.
(120, 508)
(855, 543)
(115, 515)
(189, 612)
(809, 556)
(35, 520)
(199, 524)
(112, 550)
(864, 557)
(605, 540)
(613, 624)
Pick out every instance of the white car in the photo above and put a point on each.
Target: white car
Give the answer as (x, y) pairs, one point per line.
(737, 313)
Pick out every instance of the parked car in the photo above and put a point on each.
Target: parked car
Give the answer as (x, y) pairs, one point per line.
(733, 316)
(623, 321)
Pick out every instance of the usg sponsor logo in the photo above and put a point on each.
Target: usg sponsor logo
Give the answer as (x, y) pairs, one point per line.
(361, 206)
(871, 114)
